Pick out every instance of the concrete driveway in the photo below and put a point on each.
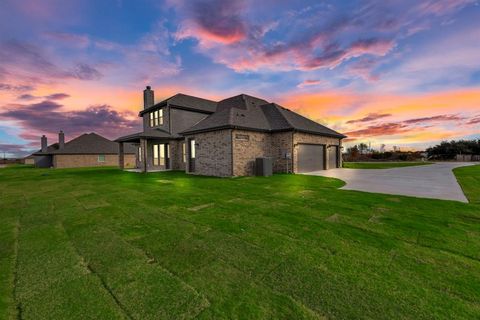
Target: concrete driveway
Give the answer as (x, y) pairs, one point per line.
(435, 181)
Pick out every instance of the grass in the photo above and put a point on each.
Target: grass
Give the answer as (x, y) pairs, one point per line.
(382, 165)
(106, 244)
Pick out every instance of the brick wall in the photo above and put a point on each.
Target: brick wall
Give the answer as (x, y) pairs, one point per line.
(299, 137)
(259, 144)
(87, 160)
(176, 158)
(282, 142)
(248, 145)
(213, 153)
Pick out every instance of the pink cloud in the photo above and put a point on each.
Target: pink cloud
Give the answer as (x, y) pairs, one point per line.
(76, 40)
(370, 117)
(379, 130)
(443, 7)
(309, 82)
(48, 117)
(443, 117)
(213, 21)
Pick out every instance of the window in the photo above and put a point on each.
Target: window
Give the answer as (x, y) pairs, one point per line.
(159, 154)
(155, 155)
(156, 118)
(184, 152)
(162, 154)
(192, 149)
(101, 158)
(151, 119)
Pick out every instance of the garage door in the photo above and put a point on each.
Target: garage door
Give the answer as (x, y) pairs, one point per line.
(310, 157)
(333, 157)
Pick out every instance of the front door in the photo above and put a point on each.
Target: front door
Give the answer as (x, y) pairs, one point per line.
(191, 155)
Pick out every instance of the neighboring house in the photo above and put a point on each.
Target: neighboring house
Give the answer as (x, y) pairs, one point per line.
(29, 160)
(224, 138)
(86, 150)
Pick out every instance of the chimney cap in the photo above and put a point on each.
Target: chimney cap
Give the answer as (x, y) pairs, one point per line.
(148, 87)
(61, 131)
(43, 136)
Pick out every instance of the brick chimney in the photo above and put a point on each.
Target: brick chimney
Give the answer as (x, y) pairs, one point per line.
(61, 140)
(44, 143)
(148, 97)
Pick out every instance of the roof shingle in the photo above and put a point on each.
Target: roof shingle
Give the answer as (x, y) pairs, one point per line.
(252, 113)
(185, 101)
(87, 143)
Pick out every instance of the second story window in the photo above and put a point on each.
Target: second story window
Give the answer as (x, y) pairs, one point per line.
(156, 118)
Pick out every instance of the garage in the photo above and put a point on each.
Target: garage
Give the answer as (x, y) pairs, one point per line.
(311, 157)
(332, 157)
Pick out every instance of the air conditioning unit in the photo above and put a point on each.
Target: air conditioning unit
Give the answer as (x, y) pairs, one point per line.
(263, 167)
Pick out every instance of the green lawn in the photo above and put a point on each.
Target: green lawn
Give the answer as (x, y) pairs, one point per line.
(382, 165)
(106, 244)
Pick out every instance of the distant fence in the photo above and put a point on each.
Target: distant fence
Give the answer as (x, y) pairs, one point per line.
(467, 157)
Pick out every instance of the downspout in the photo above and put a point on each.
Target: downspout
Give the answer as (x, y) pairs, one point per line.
(231, 147)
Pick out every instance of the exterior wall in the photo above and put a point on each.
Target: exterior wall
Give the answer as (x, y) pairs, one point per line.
(176, 156)
(29, 161)
(282, 143)
(299, 137)
(172, 156)
(90, 160)
(181, 120)
(166, 123)
(213, 153)
(258, 145)
(43, 161)
(248, 145)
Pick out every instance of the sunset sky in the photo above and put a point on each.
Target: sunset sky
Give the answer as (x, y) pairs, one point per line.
(396, 72)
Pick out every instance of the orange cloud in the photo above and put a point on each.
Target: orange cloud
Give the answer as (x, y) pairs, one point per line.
(411, 118)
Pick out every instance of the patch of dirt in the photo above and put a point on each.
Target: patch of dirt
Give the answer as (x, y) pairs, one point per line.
(375, 219)
(165, 181)
(333, 218)
(382, 209)
(200, 207)
(306, 192)
(394, 199)
(81, 193)
(95, 204)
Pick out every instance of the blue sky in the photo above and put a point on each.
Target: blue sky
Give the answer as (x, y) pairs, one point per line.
(402, 73)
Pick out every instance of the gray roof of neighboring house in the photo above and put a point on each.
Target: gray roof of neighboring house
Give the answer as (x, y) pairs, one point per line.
(154, 133)
(251, 113)
(183, 101)
(87, 143)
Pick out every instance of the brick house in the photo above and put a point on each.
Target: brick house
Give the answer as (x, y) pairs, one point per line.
(86, 150)
(224, 138)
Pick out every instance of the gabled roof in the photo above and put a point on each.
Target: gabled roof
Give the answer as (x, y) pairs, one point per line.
(184, 101)
(251, 113)
(87, 143)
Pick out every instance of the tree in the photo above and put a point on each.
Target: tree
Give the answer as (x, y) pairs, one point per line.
(363, 148)
(447, 150)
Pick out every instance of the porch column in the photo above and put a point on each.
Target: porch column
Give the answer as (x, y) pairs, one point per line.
(121, 156)
(143, 145)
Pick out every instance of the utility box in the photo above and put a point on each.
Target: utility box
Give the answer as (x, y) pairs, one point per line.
(263, 167)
